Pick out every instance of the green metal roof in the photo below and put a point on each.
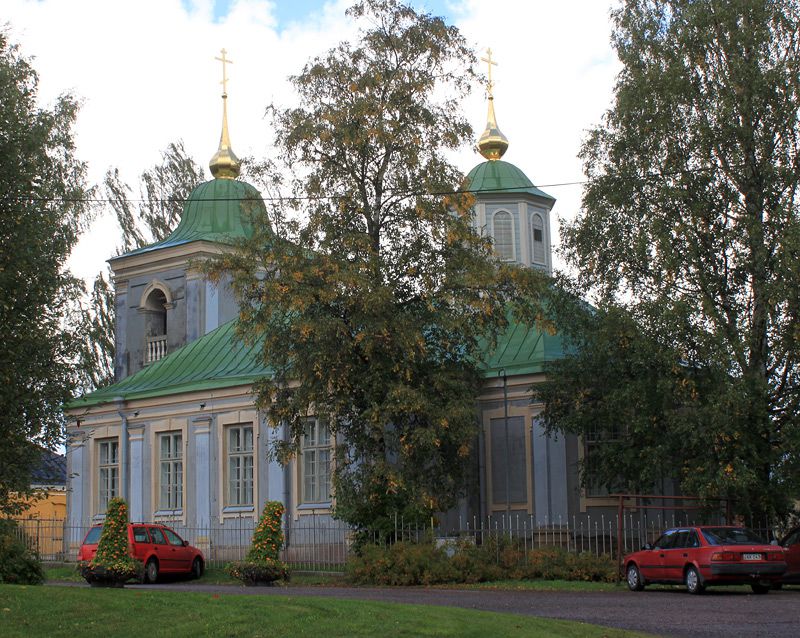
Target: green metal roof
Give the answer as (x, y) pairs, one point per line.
(522, 350)
(219, 360)
(217, 210)
(496, 176)
(216, 360)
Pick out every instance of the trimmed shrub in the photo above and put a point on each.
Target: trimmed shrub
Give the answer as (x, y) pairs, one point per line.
(476, 563)
(268, 535)
(554, 563)
(258, 573)
(263, 565)
(425, 564)
(18, 565)
(401, 564)
(112, 565)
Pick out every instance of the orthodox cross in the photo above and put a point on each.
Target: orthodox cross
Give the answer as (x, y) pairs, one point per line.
(491, 63)
(225, 61)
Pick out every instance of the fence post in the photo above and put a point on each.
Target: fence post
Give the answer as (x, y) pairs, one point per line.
(620, 521)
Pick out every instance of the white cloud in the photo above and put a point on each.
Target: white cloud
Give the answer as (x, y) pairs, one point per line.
(147, 76)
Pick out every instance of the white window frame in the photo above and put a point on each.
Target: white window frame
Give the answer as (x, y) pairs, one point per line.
(513, 244)
(592, 441)
(543, 261)
(107, 472)
(239, 465)
(316, 464)
(170, 471)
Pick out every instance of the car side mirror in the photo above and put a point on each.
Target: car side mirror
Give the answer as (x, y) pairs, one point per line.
(186, 543)
(647, 546)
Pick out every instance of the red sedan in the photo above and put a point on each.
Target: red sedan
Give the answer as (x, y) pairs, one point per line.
(158, 547)
(791, 543)
(701, 556)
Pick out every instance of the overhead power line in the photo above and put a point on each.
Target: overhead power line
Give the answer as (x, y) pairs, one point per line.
(293, 198)
(278, 198)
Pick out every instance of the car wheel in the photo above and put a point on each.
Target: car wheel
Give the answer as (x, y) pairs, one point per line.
(634, 578)
(760, 588)
(197, 568)
(693, 583)
(151, 571)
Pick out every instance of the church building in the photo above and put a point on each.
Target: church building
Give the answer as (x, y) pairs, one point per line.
(179, 437)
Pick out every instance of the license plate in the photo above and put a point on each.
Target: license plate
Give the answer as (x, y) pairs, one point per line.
(751, 556)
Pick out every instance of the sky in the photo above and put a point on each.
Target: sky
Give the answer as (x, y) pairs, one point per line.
(146, 76)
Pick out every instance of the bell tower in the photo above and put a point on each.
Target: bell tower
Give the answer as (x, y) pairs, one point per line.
(508, 207)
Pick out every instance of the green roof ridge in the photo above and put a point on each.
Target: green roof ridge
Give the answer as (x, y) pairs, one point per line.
(219, 359)
(497, 176)
(217, 210)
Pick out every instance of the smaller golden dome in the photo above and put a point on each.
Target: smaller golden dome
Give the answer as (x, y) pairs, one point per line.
(492, 143)
(225, 164)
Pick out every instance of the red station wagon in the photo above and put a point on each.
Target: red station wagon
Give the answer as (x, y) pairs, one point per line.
(702, 556)
(159, 548)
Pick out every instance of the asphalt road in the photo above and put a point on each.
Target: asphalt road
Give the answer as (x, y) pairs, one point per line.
(717, 613)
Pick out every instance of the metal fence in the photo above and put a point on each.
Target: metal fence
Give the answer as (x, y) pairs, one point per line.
(314, 543)
(321, 544)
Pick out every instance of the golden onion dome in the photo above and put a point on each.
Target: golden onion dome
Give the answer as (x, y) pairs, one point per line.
(225, 164)
(492, 144)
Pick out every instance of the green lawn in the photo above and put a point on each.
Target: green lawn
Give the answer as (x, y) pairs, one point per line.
(67, 611)
(212, 576)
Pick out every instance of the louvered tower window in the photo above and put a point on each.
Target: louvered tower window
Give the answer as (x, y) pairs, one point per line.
(537, 232)
(503, 234)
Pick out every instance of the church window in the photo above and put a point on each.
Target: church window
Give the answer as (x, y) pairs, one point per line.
(508, 463)
(157, 313)
(315, 461)
(503, 234)
(170, 471)
(107, 472)
(537, 236)
(156, 300)
(240, 465)
(593, 441)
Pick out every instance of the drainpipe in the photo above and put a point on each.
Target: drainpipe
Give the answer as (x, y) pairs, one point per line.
(287, 486)
(505, 427)
(123, 451)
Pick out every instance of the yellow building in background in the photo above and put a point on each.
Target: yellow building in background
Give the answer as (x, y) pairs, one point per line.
(42, 523)
(49, 504)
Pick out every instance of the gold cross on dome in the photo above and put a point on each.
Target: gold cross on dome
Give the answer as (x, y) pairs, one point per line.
(225, 61)
(491, 63)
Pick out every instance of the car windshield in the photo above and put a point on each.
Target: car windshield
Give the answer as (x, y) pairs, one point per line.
(731, 536)
(93, 536)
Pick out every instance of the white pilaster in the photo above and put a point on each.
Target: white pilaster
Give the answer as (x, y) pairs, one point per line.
(201, 432)
(276, 476)
(136, 490)
(212, 307)
(525, 248)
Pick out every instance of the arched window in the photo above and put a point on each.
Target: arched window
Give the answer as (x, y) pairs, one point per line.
(503, 234)
(537, 239)
(156, 301)
(156, 307)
